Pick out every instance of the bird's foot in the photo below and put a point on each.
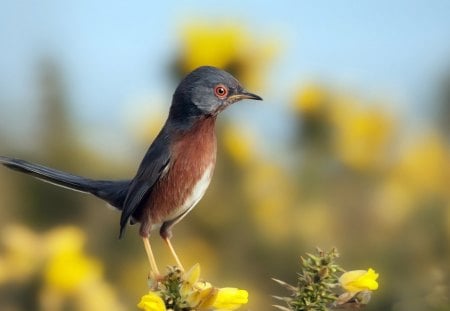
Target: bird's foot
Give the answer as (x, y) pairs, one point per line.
(154, 279)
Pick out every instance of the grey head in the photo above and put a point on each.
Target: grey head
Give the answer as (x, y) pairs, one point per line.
(207, 91)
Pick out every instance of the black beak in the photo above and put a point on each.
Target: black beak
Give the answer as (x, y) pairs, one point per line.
(246, 95)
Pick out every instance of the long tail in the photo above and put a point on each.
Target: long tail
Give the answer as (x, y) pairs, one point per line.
(113, 192)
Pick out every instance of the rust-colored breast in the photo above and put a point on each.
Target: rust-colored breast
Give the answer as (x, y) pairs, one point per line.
(193, 157)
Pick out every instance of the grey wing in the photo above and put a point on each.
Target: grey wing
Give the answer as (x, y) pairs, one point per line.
(151, 169)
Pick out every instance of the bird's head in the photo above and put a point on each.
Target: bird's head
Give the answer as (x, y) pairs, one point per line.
(210, 90)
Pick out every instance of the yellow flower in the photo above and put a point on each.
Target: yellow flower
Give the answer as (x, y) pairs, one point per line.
(311, 99)
(191, 277)
(203, 297)
(424, 166)
(359, 280)
(196, 293)
(361, 135)
(64, 240)
(152, 302)
(239, 144)
(218, 46)
(227, 46)
(68, 268)
(229, 298)
(22, 254)
(69, 272)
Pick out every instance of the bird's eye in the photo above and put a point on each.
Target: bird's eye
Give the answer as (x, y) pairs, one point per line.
(221, 91)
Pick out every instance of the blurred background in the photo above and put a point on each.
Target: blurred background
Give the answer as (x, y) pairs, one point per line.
(349, 149)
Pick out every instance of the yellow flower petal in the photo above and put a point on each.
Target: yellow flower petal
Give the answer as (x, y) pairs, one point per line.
(359, 280)
(193, 274)
(202, 298)
(229, 298)
(190, 279)
(152, 302)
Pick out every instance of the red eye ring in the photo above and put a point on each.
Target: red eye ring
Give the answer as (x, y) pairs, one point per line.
(221, 91)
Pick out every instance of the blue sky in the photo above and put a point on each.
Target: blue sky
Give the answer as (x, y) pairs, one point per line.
(114, 52)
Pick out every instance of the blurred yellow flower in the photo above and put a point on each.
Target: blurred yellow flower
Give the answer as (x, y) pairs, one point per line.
(424, 167)
(65, 239)
(69, 276)
(421, 173)
(362, 135)
(359, 280)
(67, 272)
(310, 100)
(23, 253)
(68, 268)
(230, 298)
(227, 46)
(239, 144)
(218, 46)
(151, 302)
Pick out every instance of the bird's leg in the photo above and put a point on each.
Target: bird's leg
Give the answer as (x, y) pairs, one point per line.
(151, 258)
(166, 234)
(174, 254)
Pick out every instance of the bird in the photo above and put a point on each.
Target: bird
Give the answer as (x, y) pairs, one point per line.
(177, 168)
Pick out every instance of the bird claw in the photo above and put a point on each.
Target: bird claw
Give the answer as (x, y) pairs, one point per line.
(154, 279)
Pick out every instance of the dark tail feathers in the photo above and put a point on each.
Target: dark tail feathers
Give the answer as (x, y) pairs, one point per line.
(113, 192)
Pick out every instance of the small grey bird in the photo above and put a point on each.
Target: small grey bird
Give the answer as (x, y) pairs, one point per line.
(177, 168)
